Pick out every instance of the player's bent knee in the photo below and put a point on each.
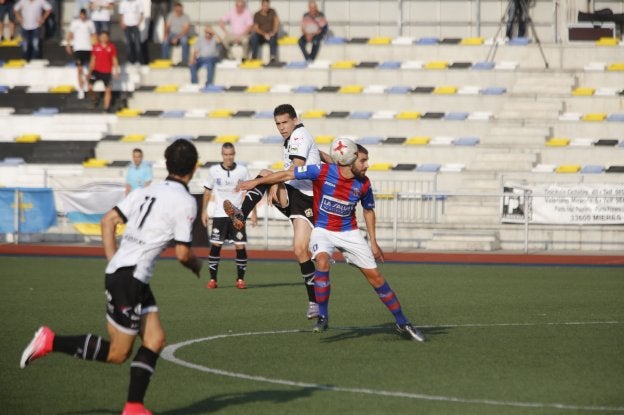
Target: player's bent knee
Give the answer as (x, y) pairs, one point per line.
(118, 356)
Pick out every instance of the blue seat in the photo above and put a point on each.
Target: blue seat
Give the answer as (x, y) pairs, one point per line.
(428, 167)
(456, 116)
(616, 117)
(264, 114)
(46, 111)
(466, 141)
(592, 169)
(621, 143)
(213, 88)
(12, 161)
(272, 139)
(173, 114)
(493, 90)
(369, 140)
(427, 41)
(335, 40)
(297, 65)
(305, 89)
(389, 65)
(398, 89)
(4, 88)
(483, 65)
(361, 115)
(519, 41)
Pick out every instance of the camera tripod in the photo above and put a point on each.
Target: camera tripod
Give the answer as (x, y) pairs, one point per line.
(524, 11)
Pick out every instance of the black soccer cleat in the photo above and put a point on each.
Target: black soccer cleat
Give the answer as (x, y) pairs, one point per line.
(235, 215)
(322, 324)
(411, 332)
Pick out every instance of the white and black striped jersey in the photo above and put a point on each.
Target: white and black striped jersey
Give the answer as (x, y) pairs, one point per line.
(301, 145)
(222, 182)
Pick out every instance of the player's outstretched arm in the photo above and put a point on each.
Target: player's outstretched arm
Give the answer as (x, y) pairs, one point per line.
(187, 257)
(273, 178)
(109, 224)
(371, 221)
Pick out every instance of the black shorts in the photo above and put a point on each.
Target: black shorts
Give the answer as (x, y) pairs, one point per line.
(127, 300)
(82, 57)
(99, 76)
(299, 205)
(224, 232)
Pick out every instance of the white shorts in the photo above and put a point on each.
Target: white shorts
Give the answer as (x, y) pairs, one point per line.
(352, 244)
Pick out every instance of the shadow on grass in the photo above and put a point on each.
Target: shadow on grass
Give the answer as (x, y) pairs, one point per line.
(346, 333)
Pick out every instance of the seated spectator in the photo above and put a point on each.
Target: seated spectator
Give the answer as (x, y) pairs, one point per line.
(205, 53)
(313, 28)
(6, 8)
(80, 39)
(265, 29)
(101, 14)
(240, 21)
(130, 17)
(177, 27)
(31, 15)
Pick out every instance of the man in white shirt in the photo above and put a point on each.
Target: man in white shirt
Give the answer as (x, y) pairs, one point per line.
(130, 17)
(101, 14)
(31, 14)
(80, 39)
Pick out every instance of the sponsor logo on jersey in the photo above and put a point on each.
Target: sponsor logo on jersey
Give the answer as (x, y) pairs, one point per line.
(336, 206)
(302, 169)
(218, 181)
(356, 192)
(239, 235)
(309, 213)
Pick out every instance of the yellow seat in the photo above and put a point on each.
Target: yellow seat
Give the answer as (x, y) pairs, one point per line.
(133, 138)
(128, 112)
(28, 138)
(445, 90)
(618, 66)
(227, 139)
(408, 115)
(11, 43)
(607, 41)
(380, 166)
(472, 41)
(323, 139)
(161, 64)
(583, 92)
(343, 65)
(257, 89)
(314, 114)
(384, 195)
(568, 168)
(167, 88)
(436, 65)
(94, 163)
(62, 89)
(379, 40)
(558, 142)
(594, 116)
(278, 165)
(192, 40)
(220, 113)
(96, 228)
(418, 141)
(351, 89)
(251, 64)
(14, 63)
(288, 40)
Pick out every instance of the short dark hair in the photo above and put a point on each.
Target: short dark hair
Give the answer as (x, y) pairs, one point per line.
(285, 109)
(137, 150)
(361, 149)
(181, 157)
(228, 145)
(83, 11)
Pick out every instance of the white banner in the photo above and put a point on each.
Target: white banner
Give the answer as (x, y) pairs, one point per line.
(92, 198)
(586, 204)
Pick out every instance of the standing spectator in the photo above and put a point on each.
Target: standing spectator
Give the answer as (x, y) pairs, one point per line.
(177, 29)
(31, 14)
(103, 66)
(265, 28)
(51, 23)
(205, 53)
(313, 29)
(130, 17)
(80, 39)
(144, 29)
(516, 11)
(222, 181)
(79, 5)
(6, 8)
(160, 9)
(101, 14)
(139, 173)
(240, 21)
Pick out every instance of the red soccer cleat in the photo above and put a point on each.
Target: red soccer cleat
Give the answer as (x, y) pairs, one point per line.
(212, 284)
(39, 346)
(135, 408)
(240, 284)
(235, 215)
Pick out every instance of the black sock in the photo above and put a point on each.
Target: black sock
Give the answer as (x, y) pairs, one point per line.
(141, 371)
(252, 198)
(213, 260)
(85, 347)
(307, 272)
(241, 263)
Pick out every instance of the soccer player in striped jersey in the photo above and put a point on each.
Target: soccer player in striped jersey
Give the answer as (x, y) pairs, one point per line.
(337, 191)
(154, 216)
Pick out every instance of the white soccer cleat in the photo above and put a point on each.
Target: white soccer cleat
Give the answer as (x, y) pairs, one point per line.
(313, 310)
(411, 332)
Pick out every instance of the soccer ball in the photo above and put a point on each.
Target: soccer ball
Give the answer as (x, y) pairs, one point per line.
(343, 151)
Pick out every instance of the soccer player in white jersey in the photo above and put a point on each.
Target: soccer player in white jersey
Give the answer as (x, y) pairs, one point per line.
(222, 181)
(154, 216)
(294, 198)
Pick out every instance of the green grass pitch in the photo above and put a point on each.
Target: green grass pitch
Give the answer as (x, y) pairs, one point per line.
(501, 340)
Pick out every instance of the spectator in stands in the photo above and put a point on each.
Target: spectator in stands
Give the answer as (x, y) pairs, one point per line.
(130, 17)
(205, 53)
(265, 29)
(139, 173)
(160, 9)
(240, 21)
(31, 14)
(177, 28)
(6, 8)
(517, 11)
(313, 28)
(144, 29)
(101, 14)
(79, 5)
(103, 66)
(80, 39)
(51, 23)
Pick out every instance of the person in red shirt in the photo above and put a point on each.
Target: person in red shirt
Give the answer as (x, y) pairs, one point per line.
(103, 66)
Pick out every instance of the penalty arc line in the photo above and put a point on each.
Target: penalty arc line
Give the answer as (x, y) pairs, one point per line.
(169, 354)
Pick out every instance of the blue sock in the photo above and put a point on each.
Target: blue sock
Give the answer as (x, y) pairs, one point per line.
(390, 300)
(322, 289)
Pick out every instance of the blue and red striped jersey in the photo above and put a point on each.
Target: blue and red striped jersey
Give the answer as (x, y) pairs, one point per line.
(336, 197)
